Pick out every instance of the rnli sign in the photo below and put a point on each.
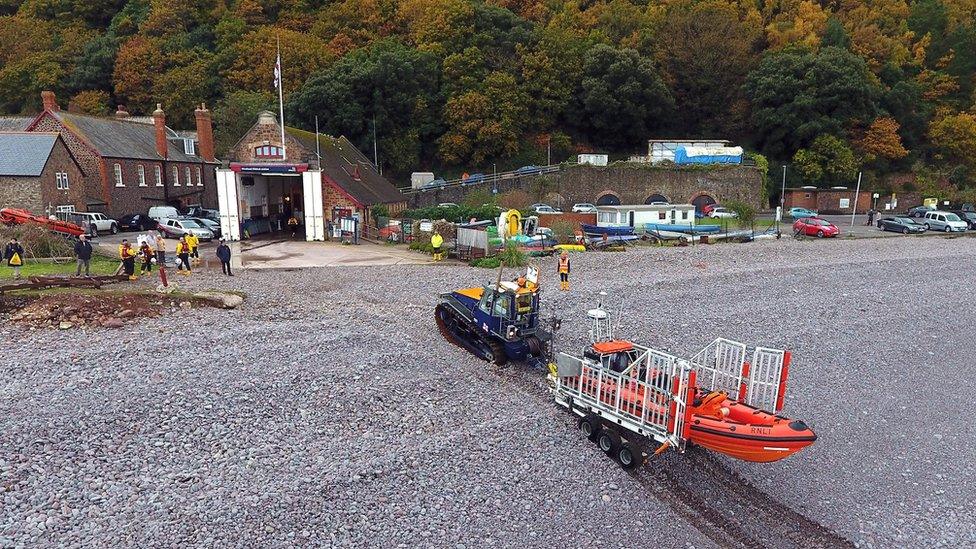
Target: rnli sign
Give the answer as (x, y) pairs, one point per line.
(269, 168)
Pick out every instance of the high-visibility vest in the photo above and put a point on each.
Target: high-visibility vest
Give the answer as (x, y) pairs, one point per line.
(125, 252)
(564, 264)
(436, 240)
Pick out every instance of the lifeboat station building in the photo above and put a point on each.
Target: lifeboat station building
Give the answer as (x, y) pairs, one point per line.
(320, 180)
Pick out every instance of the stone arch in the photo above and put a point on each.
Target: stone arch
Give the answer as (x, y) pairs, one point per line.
(656, 197)
(608, 198)
(702, 199)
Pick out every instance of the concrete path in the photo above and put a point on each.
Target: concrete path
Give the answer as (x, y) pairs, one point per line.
(290, 254)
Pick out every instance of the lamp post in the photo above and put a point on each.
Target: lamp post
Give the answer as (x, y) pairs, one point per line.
(494, 179)
(782, 203)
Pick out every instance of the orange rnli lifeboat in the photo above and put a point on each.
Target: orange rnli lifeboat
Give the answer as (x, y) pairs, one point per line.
(14, 216)
(744, 432)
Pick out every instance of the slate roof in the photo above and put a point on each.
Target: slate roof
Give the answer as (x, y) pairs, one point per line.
(115, 138)
(25, 154)
(14, 123)
(340, 159)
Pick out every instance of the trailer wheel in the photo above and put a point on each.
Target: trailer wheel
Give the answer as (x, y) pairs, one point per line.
(628, 455)
(609, 442)
(590, 427)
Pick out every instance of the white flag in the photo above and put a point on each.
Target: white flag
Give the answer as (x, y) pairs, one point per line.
(277, 72)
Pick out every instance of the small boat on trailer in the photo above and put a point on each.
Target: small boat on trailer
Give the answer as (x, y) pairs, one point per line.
(720, 399)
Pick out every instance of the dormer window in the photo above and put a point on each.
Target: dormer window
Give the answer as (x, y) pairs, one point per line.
(267, 151)
(189, 147)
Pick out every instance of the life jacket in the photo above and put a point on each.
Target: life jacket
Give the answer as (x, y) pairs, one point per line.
(564, 264)
(436, 241)
(182, 247)
(125, 252)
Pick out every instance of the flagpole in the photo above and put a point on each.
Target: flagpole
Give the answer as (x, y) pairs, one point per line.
(281, 104)
(318, 151)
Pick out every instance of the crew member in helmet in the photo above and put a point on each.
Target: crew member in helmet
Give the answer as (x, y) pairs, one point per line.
(183, 256)
(436, 241)
(193, 241)
(563, 269)
(146, 254)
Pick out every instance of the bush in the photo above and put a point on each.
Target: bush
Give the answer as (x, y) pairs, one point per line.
(422, 246)
(511, 256)
(38, 241)
(486, 262)
(746, 213)
(456, 214)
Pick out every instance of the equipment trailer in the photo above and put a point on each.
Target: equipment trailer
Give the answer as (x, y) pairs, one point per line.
(624, 393)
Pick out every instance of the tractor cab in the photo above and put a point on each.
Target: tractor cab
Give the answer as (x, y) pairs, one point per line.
(509, 310)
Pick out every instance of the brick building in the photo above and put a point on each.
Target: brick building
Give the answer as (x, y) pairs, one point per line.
(828, 201)
(318, 179)
(38, 173)
(130, 165)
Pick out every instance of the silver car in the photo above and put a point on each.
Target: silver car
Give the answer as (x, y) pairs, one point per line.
(944, 221)
(172, 227)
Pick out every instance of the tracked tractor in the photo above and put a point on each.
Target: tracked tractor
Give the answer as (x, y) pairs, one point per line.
(498, 322)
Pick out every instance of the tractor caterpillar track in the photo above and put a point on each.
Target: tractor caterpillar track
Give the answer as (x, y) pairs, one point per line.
(467, 336)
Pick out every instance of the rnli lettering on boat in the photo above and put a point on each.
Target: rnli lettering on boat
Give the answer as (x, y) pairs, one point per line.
(761, 430)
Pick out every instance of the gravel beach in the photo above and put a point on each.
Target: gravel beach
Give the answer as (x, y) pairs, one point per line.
(328, 411)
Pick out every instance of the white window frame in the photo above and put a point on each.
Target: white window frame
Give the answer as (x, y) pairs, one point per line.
(65, 208)
(199, 177)
(117, 169)
(62, 180)
(141, 171)
(159, 175)
(176, 176)
(189, 147)
(189, 176)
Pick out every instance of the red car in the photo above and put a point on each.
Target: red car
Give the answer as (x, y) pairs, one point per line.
(707, 208)
(811, 226)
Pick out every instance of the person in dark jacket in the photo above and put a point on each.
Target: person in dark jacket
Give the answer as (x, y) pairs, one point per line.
(223, 254)
(14, 254)
(83, 250)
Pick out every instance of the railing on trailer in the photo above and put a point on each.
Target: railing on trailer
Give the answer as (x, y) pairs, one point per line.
(649, 398)
(722, 366)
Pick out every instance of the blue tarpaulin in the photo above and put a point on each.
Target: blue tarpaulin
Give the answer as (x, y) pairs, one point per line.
(710, 155)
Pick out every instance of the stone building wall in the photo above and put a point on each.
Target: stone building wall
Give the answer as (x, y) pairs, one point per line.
(630, 183)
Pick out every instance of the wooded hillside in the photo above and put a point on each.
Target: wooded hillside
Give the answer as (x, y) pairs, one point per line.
(830, 87)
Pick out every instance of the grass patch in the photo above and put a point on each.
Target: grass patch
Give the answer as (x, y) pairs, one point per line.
(486, 262)
(100, 265)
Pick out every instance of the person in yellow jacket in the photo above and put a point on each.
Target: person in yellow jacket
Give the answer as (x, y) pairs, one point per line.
(436, 241)
(193, 241)
(128, 256)
(563, 269)
(183, 256)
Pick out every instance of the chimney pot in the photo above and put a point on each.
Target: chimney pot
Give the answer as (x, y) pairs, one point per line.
(205, 139)
(50, 101)
(159, 122)
(120, 112)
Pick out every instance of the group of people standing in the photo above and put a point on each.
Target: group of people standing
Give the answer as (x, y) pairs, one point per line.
(153, 251)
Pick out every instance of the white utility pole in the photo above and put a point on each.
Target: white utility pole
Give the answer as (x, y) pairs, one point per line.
(856, 194)
(281, 104)
(782, 194)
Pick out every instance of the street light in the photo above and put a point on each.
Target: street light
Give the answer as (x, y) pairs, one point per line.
(494, 180)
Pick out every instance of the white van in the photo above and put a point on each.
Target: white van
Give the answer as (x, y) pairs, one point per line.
(949, 222)
(163, 212)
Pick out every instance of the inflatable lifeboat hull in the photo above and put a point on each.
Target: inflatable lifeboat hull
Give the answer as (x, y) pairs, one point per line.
(14, 216)
(750, 434)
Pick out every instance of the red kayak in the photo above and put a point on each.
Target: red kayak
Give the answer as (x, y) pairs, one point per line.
(14, 216)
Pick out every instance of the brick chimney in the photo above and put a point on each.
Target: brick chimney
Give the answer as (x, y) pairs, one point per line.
(121, 113)
(50, 101)
(159, 121)
(205, 139)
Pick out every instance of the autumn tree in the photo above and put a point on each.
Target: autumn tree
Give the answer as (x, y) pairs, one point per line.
(484, 124)
(881, 142)
(797, 23)
(707, 51)
(93, 102)
(252, 67)
(954, 138)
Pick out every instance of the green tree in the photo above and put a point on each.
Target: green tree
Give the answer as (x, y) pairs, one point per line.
(621, 99)
(391, 83)
(234, 115)
(484, 124)
(797, 95)
(828, 161)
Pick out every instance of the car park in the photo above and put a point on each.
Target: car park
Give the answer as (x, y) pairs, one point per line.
(904, 225)
(163, 212)
(137, 222)
(968, 216)
(920, 211)
(172, 227)
(812, 226)
(949, 222)
(208, 223)
(98, 222)
(720, 212)
(584, 207)
(799, 213)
